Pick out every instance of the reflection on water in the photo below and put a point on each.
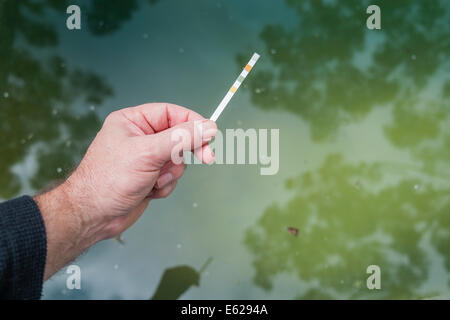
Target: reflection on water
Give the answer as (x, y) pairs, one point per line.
(37, 91)
(319, 62)
(331, 70)
(352, 216)
(106, 16)
(177, 280)
(349, 218)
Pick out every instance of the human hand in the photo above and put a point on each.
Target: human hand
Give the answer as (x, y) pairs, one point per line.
(128, 164)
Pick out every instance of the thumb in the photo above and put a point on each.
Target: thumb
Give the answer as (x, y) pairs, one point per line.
(187, 136)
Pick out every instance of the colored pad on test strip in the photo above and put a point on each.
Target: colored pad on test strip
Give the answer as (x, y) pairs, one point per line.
(234, 87)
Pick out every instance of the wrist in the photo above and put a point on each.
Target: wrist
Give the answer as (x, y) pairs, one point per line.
(87, 227)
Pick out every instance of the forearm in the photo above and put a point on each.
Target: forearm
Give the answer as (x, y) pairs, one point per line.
(69, 231)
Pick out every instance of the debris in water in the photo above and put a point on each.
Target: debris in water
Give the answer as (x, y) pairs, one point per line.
(59, 170)
(293, 231)
(413, 57)
(116, 266)
(195, 205)
(179, 246)
(5, 95)
(416, 187)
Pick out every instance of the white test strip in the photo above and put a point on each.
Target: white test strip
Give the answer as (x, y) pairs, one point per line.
(234, 87)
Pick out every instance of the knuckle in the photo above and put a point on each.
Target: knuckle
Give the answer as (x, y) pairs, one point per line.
(111, 117)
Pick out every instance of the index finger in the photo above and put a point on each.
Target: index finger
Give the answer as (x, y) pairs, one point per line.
(156, 117)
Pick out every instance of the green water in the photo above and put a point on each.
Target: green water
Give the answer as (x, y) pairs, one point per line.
(364, 125)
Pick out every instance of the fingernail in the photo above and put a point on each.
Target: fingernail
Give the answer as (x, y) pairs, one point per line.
(208, 129)
(164, 179)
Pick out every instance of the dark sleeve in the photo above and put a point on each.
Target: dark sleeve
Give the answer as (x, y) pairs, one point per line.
(23, 249)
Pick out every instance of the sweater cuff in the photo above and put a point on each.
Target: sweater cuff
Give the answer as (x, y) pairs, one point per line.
(23, 249)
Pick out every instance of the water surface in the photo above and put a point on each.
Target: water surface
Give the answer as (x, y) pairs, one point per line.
(364, 125)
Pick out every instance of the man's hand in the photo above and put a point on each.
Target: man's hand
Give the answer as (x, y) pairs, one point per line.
(127, 165)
